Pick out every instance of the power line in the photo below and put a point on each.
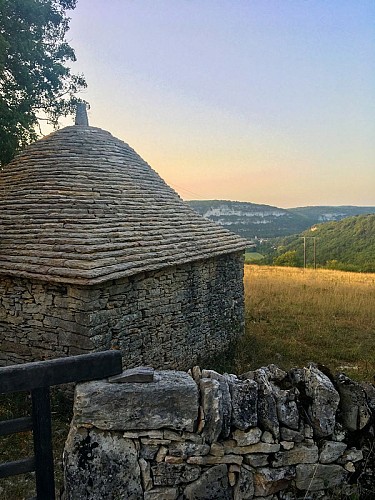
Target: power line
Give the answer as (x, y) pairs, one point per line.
(314, 238)
(186, 190)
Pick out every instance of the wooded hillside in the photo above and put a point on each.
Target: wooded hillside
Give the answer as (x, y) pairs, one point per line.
(348, 245)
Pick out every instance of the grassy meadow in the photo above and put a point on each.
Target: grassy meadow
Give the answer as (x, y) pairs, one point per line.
(294, 316)
(251, 257)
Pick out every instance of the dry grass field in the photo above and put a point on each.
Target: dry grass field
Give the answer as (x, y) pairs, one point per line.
(294, 316)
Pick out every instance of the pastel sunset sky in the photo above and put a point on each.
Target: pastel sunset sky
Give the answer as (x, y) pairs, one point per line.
(267, 101)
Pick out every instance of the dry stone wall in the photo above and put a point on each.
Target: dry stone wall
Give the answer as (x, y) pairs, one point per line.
(267, 434)
(169, 318)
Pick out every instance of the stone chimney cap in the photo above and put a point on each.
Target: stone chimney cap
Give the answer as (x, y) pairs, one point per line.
(81, 115)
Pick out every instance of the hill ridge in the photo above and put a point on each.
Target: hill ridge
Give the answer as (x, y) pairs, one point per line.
(258, 221)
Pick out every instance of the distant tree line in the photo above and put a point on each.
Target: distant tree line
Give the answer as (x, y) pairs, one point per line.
(346, 245)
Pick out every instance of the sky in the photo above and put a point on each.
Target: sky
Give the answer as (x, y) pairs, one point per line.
(266, 101)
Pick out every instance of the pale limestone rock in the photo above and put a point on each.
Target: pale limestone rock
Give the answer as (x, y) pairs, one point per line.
(154, 442)
(268, 481)
(287, 410)
(201, 420)
(234, 468)
(314, 477)
(244, 394)
(253, 448)
(244, 489)
(171, 401)
(244, 438)
(174, 474)
(161, 494)
(196, 374)
(267, 408)
(211, 460)
(217, 450)
(232, 478)
(267, 437)
(212, 485)
(145, 474)
(339, 434)
(355, 413)
(148, 452)
(212, 408)
(274, 373)
(299, 454)
(308, 432)
(330, 451)
(352, 455)
(172, 435)
(323, 398)
(139, 374)
(286, 445)
(173, 460)
(256, 460)
(161, 454)
(291, 435)
(249, 375)
(98, 463)
(191, 436)
(226, 400)
(188, 449)
(147, 434)
(349, 467)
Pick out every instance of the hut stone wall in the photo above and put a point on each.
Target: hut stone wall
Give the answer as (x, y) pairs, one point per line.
(170, 318)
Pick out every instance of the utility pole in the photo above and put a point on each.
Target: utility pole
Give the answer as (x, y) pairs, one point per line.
(304, 249)
(314, 252)
(304, 252)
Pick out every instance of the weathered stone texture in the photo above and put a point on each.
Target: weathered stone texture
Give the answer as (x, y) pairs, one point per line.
(166, 319)
(176, 457)
(321, 397)
(331, 451)
(80, 206)
(244, 395)
(355, 413)
(100, 465)
(315, 477)
(244, 489)
(171, 401)
(212, 485)
(268, 481)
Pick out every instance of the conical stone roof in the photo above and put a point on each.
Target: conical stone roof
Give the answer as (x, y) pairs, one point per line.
(80, 206)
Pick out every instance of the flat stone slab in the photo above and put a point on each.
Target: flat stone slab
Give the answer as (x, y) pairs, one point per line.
(212, 485)
(140, 374)
(314, 477)
(96, 464)
(171, 401)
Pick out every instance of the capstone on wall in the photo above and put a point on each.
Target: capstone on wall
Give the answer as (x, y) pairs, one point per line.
(169, 318)
(266, 435)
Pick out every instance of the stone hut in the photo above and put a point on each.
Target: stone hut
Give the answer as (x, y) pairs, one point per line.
(98, 252)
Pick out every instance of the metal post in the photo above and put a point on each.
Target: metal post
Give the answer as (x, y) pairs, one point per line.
(314, 252)
(42, 434)
(304, 252)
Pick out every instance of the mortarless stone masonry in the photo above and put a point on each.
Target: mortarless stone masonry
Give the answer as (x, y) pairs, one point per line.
(168, 319)
(124, 443)
(98, 252)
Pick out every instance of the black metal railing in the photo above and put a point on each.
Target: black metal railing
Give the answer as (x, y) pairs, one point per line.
(37, 378)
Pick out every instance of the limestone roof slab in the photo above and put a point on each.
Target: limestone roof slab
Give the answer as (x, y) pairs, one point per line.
(81, 206)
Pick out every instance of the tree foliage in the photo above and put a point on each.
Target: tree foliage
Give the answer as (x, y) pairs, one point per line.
(35, 77)
(346, 245)
(288, 259)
